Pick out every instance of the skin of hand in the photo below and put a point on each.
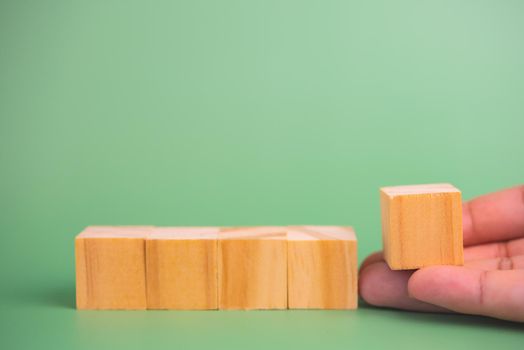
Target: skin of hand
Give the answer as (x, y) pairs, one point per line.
(490, 283)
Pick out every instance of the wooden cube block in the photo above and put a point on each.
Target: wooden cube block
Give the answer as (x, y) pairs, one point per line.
(322, 267)
(252, 268)
(110, 267)
(182, 268)
(421, 226)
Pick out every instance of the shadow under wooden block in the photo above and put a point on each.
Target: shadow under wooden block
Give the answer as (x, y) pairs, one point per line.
(252, 268)
(322, 267)
(110, 267)
(182, 268)
(421, 226)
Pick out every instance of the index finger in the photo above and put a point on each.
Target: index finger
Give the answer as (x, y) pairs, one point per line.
(497, 216)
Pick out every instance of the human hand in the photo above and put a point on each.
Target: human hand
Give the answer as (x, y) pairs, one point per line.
(490, 283)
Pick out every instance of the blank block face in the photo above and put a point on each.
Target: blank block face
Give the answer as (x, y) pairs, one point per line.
(182, 268)
(421, 226)
(322, 267)
(110, 267)
(252, 268)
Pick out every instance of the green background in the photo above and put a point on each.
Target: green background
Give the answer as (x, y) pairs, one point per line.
(243, 113)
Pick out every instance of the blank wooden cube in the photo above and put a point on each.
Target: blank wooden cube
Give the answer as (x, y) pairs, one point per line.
(421, 226)
(322, 267)
(182, 268)
(110, 267)
(252, 268)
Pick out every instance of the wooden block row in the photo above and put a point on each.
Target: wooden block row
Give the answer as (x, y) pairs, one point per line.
(421, 226)
(206, 268)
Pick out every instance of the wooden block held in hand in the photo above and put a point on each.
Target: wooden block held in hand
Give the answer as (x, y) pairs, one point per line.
(421, 226)
(322, 267)
(110, 267)
(182, 268)
(252, 268)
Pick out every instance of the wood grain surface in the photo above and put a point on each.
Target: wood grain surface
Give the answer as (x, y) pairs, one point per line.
(421, 225)
(322, 267)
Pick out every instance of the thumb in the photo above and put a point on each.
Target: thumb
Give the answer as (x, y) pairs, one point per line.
(497, 294)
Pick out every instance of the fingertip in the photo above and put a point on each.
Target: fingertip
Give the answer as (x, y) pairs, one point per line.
(372, 258)
(370, 282)
(381, 286)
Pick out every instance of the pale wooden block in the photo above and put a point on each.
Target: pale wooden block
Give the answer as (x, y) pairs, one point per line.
(421, 226)
(252, 268)
(110, 267)
(182, 268)
(322, 267)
